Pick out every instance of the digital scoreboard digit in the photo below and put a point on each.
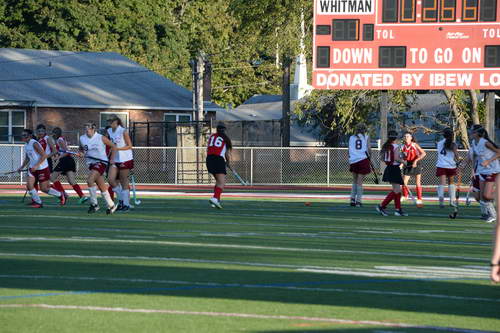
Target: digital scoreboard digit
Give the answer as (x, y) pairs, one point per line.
(406, 44)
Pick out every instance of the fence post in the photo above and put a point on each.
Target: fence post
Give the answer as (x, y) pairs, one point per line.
(251, 166)
(328, 167)
(22, 159)
(175, 166)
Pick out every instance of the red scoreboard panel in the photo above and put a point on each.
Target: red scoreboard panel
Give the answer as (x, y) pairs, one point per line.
(406, 44)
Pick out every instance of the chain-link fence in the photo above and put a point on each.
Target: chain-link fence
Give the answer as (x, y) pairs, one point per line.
(256, 165)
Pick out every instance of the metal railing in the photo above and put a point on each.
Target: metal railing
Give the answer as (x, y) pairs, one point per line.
(257, 165)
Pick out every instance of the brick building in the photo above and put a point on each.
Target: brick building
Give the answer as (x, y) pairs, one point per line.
(67, 89)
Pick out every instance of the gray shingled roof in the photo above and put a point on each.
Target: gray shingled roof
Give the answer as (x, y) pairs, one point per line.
(88, 80)
(269, 107)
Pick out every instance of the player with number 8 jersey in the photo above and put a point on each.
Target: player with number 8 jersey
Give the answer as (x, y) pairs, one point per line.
(359, 152)
(218, 156)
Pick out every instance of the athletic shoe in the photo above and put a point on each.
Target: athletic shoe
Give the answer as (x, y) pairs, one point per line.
(484, 217)
(420, 204)
(36, 205)
(353, 202)
(125, 209)
(491, 219)
(111, 209)
(120, 205)
(215, 202)
(381, 210)
(62, 199)
(83, 200)
(400, 212)
(359, 204)
(403, 198)
(93, 209)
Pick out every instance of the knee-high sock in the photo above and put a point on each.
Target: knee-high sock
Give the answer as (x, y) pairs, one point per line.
(217, 192)
(93, 195)
(405, 191)
(126, 197)
(489, 208)
(107, 198)
(54, 193)
(359, 194)
(35, 196)
(354, 191)
(78, 190)
(440, 192)
(397, 201)
(419, 192)
(118, 190)
(388, 199)
(111, 193)
(452, 192)
(59, 187)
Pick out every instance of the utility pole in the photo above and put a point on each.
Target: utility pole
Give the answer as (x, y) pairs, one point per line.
(199, 116)
(285, 120)
(490, 113)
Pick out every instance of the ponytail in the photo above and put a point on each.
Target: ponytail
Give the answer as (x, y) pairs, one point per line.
(448, 135)
(484, 134)
(392, 136)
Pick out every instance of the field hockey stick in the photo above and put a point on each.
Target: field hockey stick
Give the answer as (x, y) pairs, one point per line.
(454, 214)
(134, 193)
(86, 156)
(467, 196)
(238, 177)
(13, 172)
(24, 196)
(375, 173)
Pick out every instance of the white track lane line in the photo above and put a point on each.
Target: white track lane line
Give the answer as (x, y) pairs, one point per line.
(241, 315)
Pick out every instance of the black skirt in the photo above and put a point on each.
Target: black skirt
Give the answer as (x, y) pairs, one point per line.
(392, 174)
(66, 164)
(216, 164)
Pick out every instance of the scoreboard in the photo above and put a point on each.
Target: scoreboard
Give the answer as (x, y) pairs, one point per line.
(406, 44)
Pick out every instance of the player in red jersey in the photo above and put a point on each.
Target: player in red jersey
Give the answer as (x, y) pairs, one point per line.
(38, 170)
(412, 154)
(391, 155)
(218, 156)
(66, 166)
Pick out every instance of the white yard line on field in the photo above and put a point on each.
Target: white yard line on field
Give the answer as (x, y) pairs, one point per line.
(240, 315)
(246, 285)
(229, 246)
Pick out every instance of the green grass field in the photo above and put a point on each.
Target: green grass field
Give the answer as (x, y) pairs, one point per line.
(258, 265)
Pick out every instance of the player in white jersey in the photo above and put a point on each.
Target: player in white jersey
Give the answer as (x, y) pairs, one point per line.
(38, 170)
(93, 145)
(48, 144)
(359, 152)
(488, 168)
(446, 166)
(118, 176)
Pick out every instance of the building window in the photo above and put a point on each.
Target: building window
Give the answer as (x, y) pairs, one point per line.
(448, 10)
(392, 57)
(170, 130)
(469, 10)
(488, 11)
(407, 10)
(105, 116)
(389, 11)
(345, 30)
(492, 56)
(12, 124)
(323, 57)
(429, 10)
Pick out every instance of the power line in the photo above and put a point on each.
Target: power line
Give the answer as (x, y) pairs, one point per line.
(243, 85)
(37, 58)
(242, 67)
(76, 76)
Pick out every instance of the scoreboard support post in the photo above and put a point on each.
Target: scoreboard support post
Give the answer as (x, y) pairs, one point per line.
(384, 110)
(490, 113)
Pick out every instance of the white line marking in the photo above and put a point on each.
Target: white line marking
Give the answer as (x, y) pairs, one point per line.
(240, 315)
(256, 286)
(230, 246)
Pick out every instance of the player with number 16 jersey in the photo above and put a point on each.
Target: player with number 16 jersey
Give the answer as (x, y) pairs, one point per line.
(218, 156)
